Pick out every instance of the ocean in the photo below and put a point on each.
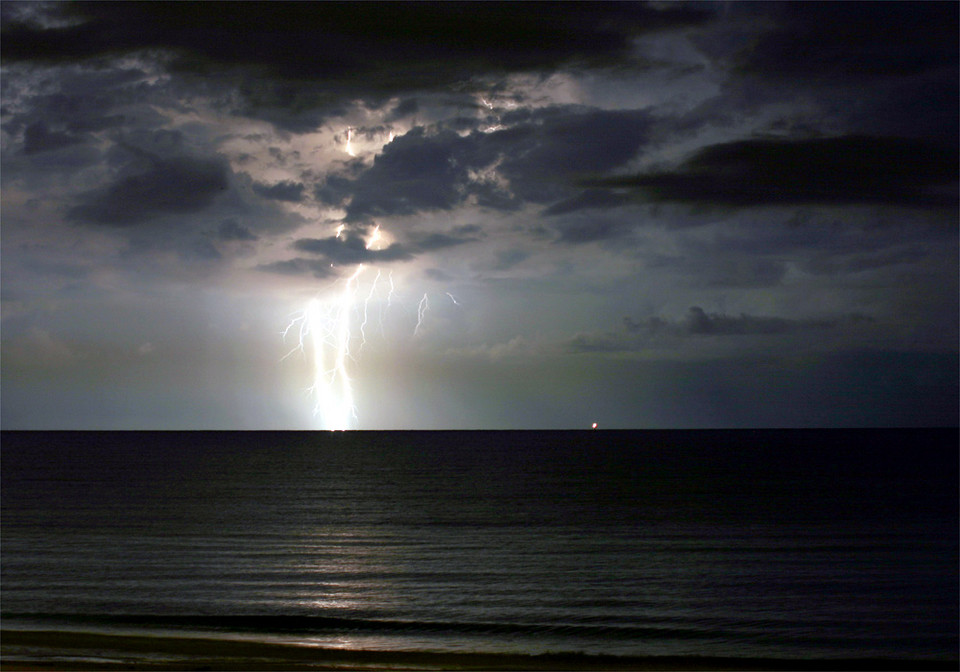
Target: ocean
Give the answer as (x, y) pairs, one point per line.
(765, 544)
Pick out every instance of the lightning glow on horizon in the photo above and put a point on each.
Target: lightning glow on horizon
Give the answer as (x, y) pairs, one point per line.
(323, 328)
(327, 338)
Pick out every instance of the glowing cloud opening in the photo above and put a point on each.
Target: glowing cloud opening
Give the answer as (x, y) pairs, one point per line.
(350, 149)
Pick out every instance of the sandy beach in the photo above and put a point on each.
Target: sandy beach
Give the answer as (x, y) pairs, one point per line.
(67, 650)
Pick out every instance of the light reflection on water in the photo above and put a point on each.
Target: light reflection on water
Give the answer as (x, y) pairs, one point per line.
(362, 565)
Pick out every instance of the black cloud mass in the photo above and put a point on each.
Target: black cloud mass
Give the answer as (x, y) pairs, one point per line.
(400, 45)
(282, 191)
(350, 249)
(179, 185)
(541, 155)
(849, 169)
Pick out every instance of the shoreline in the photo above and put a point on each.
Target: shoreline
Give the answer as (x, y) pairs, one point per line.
(69, 650)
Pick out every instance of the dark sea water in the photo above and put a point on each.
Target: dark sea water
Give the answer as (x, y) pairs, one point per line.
(773, 543)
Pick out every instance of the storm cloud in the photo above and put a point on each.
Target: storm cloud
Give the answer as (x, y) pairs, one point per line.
(849, 169)
(540, 157)
(768, 191)
(396, 46)
(350, 249)
(282, 191)
(179, 185)
(230, 229)
(659, 332)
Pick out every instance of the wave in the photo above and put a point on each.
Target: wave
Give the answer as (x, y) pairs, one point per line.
(317, 625)
(27, 648)
(695, 633)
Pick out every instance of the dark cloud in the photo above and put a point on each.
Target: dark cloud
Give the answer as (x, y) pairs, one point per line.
(391, 47)
(372, 133)
(38, 138)
(541, 156)
(297, 107)
(84, 100)
(700, 322)
(489, 193)
(585, 343)
(438, 275)
(180, 185)
(273, 55)
(919, 107)
(230, 229)
(638, 333)
(507, 259)
(149, 143)
(318, 268)
(841, 170)
(874, 68)
(464, 124)
(589, 199)
(281, 191)
(833, 264)
(403, 109)
(351, 249)
(415, 172)
(558, 145)
(847, 40)
(468, 230)
(201, 250)
(334, 190)
(705, 267)
(580, 230)
(430, 242)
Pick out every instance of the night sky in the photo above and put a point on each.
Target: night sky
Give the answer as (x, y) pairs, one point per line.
(640, 215)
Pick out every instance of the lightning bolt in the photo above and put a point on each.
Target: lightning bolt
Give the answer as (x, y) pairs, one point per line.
(392, 291)
(422, 308)
(326, 338)
(366, 311)
(323, 333)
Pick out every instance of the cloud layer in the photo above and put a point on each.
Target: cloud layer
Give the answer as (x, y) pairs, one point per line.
(767, 191)
(839, 170)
